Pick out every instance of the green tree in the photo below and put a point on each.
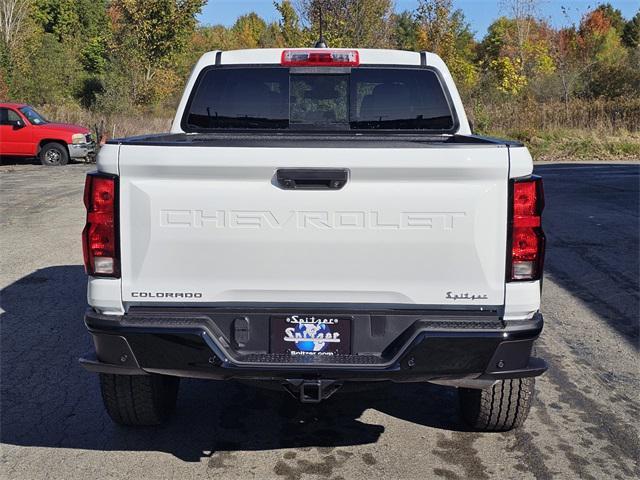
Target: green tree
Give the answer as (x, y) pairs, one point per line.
(155, 30)
(405, 30)
(94, 34)
(82, 28)
(289, 24)
(631, 32)
(150, 35)
(47, 63)
(57, 17)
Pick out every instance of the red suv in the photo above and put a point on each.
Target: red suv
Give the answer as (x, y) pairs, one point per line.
(25, 133)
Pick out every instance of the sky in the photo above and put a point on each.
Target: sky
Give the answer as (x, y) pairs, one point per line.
(479, 13)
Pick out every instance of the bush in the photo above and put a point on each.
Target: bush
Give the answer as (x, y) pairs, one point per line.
(527, 115)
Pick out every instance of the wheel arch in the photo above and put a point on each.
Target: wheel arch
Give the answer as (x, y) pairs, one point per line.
(44, 141)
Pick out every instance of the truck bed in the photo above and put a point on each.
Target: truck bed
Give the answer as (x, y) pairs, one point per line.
(313, 140)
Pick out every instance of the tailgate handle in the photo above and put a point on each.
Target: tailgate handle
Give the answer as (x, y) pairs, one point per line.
(311, 179)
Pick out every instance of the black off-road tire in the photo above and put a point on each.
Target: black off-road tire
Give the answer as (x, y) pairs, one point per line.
(54, 154)
(503, 407)
(139, 399)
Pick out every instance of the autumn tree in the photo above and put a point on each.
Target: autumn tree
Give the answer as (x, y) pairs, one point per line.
(13, 16)
(517, 50)
(569, 71)
(598, 38)
(599, 45)
(249, 30)
(523, 13)
(613, 15)
(131, 55)
(444, 31)
(348, 23)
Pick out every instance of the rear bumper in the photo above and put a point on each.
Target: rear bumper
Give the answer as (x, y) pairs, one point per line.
(459, 348)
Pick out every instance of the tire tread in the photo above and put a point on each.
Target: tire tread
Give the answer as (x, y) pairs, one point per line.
(503, 406)
(139, 400)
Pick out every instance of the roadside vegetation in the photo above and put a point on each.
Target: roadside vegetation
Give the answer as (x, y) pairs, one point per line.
(120, 65)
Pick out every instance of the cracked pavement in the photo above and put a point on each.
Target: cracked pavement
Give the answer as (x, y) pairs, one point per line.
(584, 421)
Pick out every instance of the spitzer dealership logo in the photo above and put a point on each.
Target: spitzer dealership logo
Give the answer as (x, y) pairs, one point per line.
(311, 334)
(306, 219)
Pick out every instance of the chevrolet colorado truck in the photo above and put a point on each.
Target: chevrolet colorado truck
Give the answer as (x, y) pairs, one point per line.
(315, 217)
(26, 133)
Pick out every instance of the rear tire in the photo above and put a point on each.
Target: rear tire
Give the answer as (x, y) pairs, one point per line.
(502, 407)
(139, 399)
(54, 154)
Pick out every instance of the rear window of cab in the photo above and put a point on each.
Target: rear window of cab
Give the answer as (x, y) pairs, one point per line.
(279, 98)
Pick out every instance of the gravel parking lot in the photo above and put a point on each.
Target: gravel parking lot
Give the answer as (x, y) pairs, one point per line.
(584, 422)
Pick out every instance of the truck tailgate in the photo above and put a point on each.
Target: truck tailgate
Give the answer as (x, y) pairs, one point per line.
(412, 226)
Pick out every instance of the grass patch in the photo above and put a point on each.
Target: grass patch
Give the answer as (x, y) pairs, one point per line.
(578, 145)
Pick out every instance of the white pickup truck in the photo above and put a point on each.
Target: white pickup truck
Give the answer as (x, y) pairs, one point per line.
(315, 217)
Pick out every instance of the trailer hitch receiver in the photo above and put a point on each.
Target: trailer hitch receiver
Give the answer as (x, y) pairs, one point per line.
(311, 391)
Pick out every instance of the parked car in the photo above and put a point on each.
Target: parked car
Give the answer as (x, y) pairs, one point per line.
(316, 217)
(26, 133)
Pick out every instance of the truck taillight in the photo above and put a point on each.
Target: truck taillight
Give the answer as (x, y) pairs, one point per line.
(526, 250)
(100, 236)
(320, 58)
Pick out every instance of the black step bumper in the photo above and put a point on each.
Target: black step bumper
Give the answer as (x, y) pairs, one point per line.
(398, 346)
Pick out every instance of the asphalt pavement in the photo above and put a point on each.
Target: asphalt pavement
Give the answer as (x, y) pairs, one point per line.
(583, 424)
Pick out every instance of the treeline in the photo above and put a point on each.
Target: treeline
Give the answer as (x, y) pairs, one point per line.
(129, 55)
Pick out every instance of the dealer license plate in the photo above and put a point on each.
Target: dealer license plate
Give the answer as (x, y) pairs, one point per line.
(311, 334)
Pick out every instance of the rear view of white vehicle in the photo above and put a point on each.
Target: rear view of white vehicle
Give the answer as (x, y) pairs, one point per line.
(316, 217)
